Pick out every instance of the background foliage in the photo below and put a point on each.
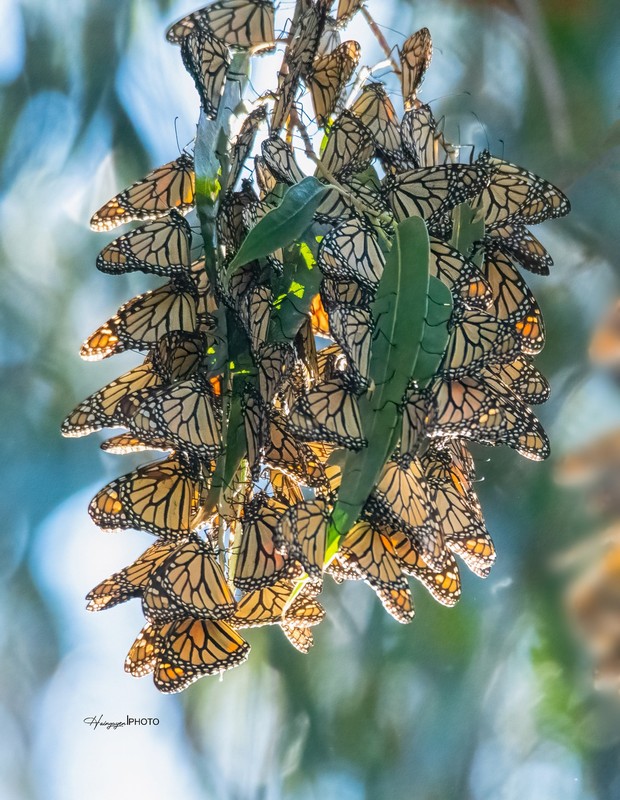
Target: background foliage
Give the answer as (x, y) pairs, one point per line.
(490, 700)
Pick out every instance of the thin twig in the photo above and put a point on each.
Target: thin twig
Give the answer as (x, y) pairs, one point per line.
(389, 51)
(362, 75)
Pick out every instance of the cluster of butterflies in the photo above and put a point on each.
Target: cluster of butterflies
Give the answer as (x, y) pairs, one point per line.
(593, 595)
(252, 384)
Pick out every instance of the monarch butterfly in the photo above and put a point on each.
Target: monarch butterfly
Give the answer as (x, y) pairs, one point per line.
(175, 357)
(422, 142)
(301, 532)
(330, 361)
(207, 60)
(296, 459)
(255, 313)
(236, 215)
(256, 428)
(142, 321)
(244, 142)
(162, 190)
(401, 498)
(459, 511)
(191, 648)
(318, 316)
(443, 466)
(247, 24)
(161, 247)
(346, 293)
(264, 177)
(262, 606)
(370, 552)
(325, 477)
(126, 443)
(257, 563)
(347, 9)
(460, 274)
(523, 379)
(443, 584)
(522, 246)
(375, 109)
(460, 456)
(130, 581)
(301, 638)
(281, 161)
(487, 412)
(242, 281)
(415, 422)
(604, 347)
(161, 498)
(514, 195)
(349, 147)
(476, 340)
(351, 251)
(184, 414)
(270, 605)
(283, 452)
(284, 489)
(275, 361)
(432, 192)
(330, 38)
(189, 582)
(302, 49)
(336, 206)
(178, 355)
(415, 58)
(207, 304)
(513, 302)
(303, 611)
(329, 413)
(101, 409)
(305, 347)
(142, 655)
(299, 615)
(288, 87)
(328, 76)
(352, 328)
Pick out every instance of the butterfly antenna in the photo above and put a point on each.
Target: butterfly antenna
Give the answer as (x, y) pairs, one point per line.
(176, 134)
(484, 129)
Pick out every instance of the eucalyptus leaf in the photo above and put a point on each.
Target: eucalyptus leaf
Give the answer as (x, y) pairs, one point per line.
(282, 225)
(400, 312)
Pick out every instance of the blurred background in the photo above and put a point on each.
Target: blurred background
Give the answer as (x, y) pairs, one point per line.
(491, 700)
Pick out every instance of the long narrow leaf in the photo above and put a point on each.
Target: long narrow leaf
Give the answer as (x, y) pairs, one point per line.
(282, 225)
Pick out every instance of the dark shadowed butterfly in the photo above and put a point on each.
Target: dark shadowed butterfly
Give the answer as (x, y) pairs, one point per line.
(162, 247)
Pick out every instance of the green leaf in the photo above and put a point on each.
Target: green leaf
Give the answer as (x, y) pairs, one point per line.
(467, 228)
(400, 312)
(293, 292)
(282, 225)
(435, 335)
